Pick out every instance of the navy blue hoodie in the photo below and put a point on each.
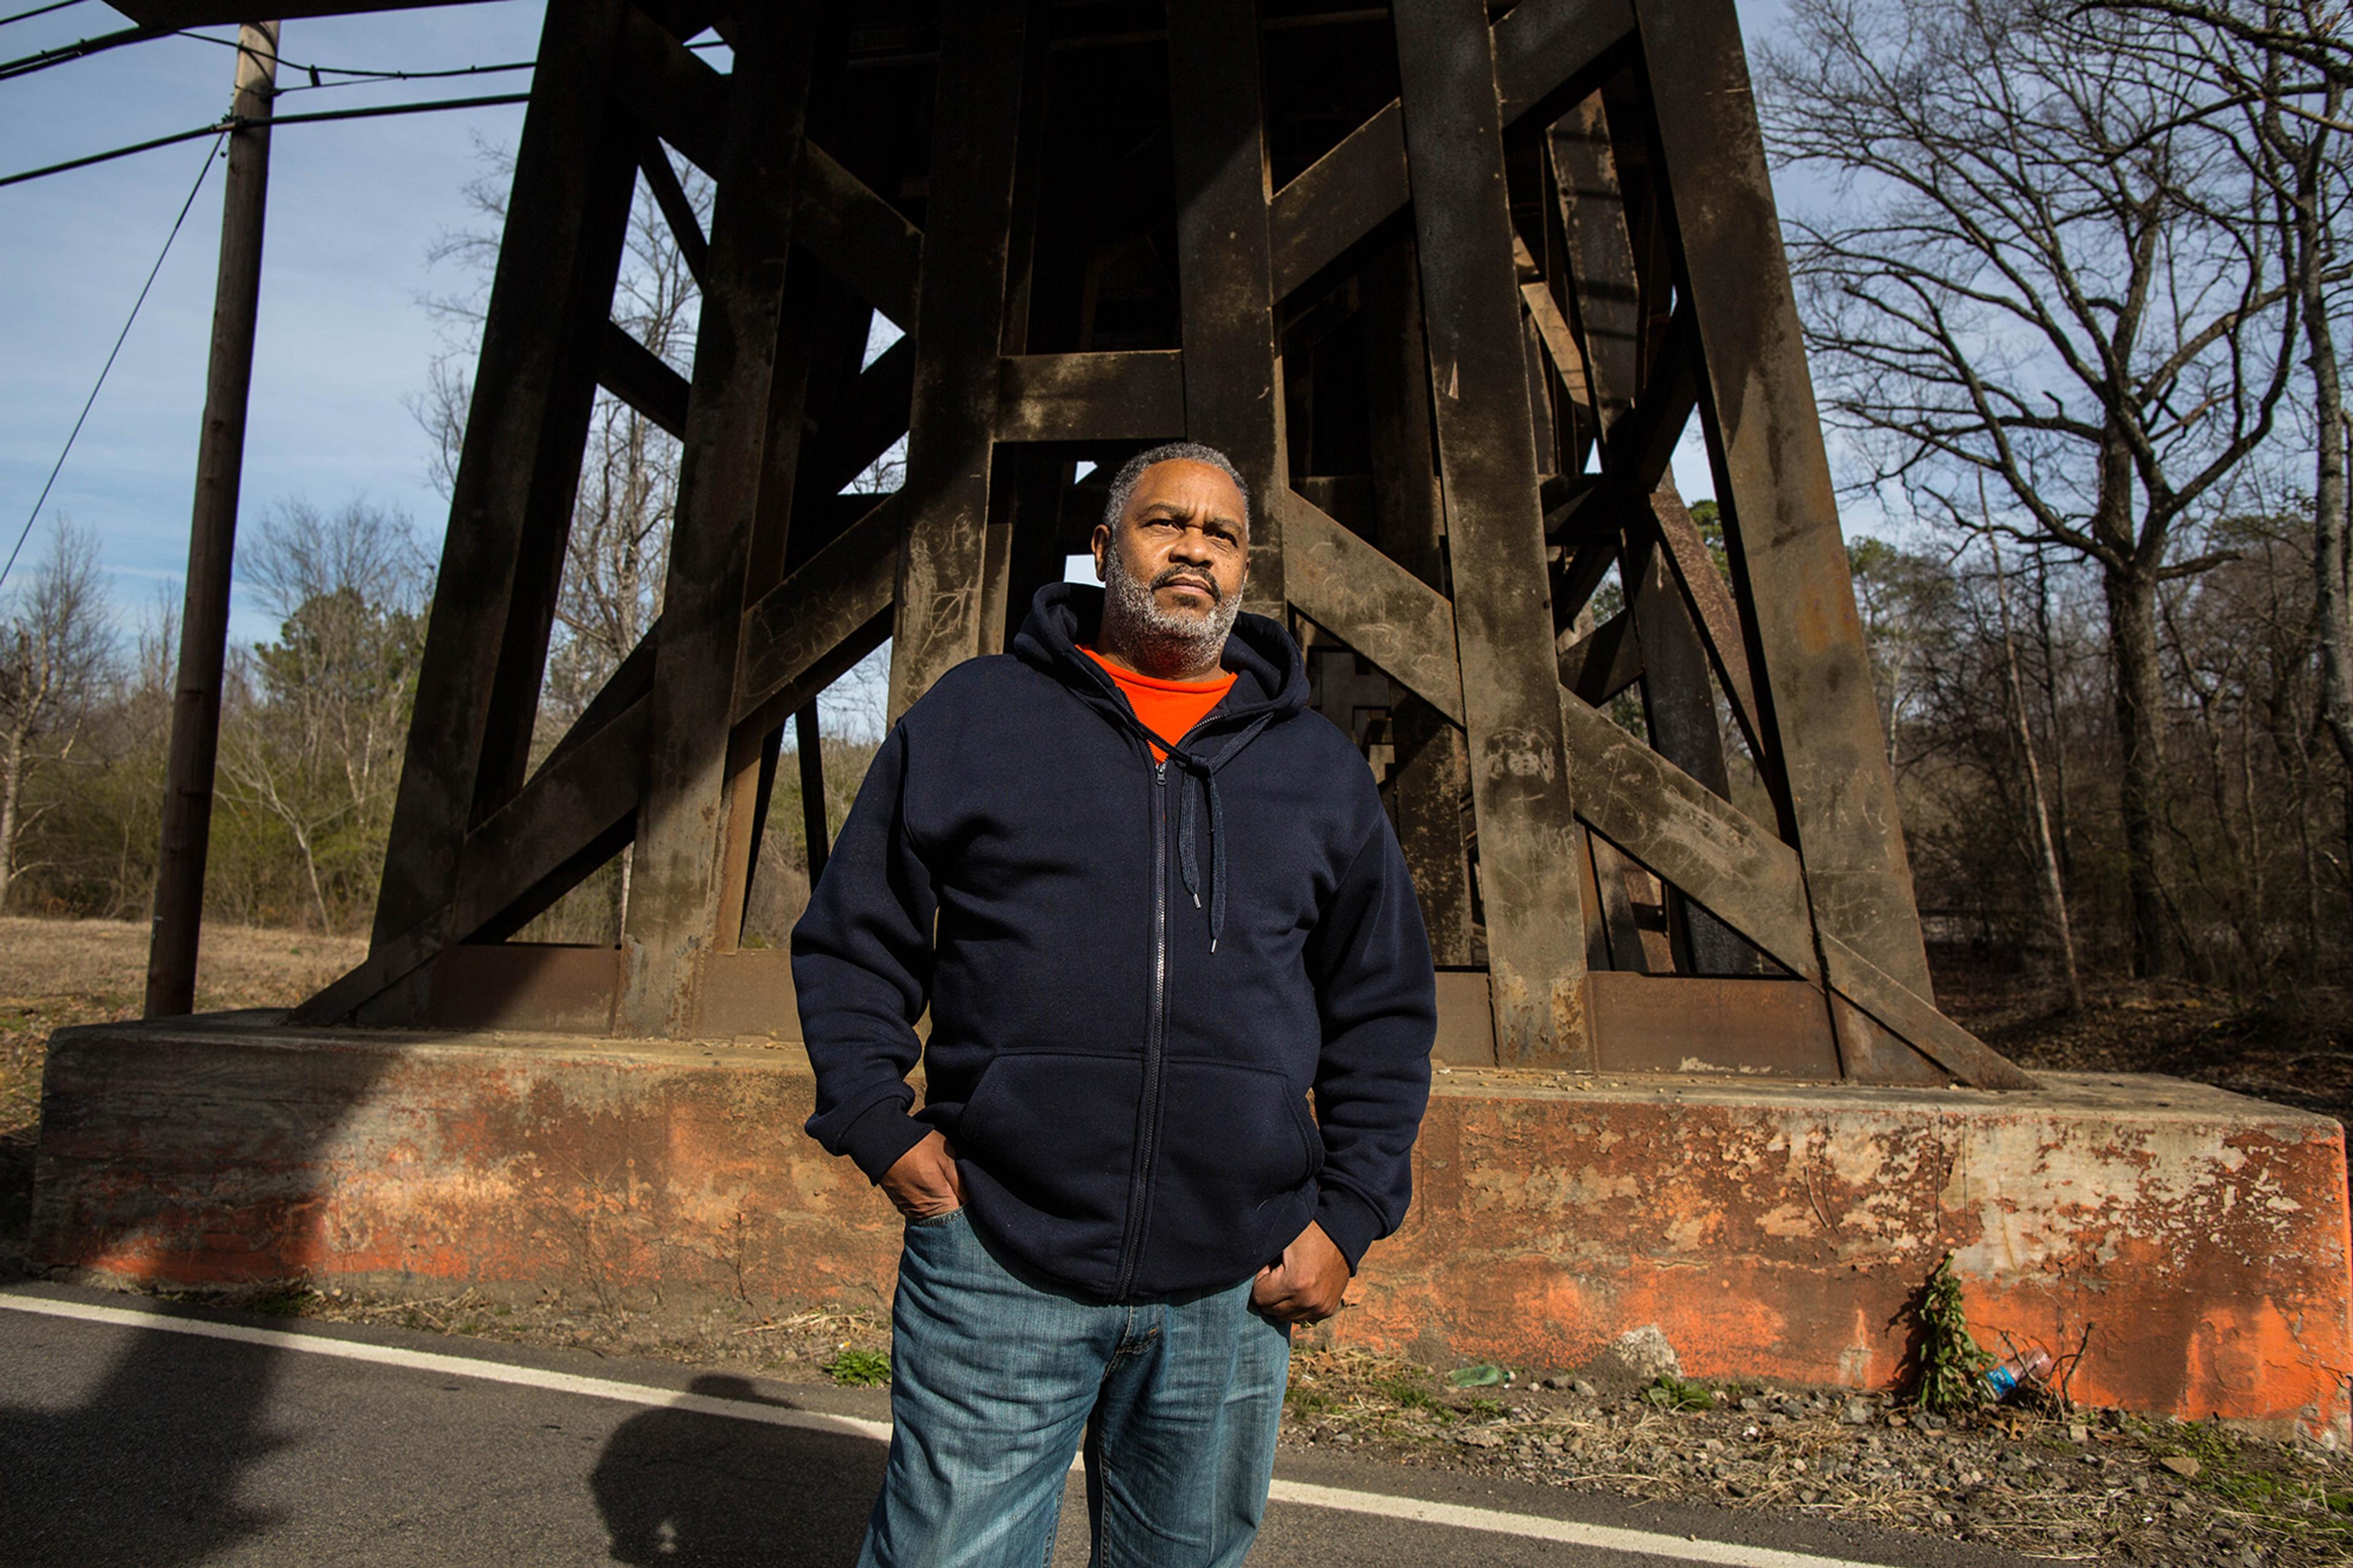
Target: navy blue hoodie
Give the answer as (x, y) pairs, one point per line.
(1136, 971)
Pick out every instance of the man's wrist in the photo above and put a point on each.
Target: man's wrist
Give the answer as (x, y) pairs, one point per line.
(880, 1136)
(1349, 1221)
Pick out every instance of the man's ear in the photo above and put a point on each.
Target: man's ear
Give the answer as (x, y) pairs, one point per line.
(1099, 541)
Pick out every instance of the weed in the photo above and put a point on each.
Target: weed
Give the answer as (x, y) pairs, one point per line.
(1952, 1364)
(292, 1302)
(860, 1369)
(1672, 1393)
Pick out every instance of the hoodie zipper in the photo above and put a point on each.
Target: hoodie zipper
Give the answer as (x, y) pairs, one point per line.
(1156, 1030)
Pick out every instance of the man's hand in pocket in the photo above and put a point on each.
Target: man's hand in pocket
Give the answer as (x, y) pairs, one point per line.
(924, 1183)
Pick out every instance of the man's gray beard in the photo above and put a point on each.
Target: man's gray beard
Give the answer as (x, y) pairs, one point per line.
(1172, 639)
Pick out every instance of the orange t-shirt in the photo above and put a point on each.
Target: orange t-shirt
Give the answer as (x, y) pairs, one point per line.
(1168, 708)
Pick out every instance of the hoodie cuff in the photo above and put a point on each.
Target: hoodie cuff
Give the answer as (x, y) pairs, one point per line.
(1349, 1221)
(877, 1138)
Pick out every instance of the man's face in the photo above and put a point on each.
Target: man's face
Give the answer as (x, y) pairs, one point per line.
(1182, 541)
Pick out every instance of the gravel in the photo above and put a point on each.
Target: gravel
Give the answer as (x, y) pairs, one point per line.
(2083, 1486)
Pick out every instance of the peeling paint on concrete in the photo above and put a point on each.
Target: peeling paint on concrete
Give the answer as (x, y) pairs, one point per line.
(1772, 1231)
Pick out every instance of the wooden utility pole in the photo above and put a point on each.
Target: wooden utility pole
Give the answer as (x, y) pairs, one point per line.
(212, 536)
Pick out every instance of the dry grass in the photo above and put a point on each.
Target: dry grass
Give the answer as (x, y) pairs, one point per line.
(54, 973)
(106, 962)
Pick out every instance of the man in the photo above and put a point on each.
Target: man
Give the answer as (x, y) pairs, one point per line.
(1151, 901)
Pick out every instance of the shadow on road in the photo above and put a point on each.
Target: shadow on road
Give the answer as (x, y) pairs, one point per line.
(147, 1470)
(678, 1487)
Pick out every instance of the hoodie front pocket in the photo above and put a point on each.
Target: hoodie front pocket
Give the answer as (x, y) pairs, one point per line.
(1056, 1133)
(1237, 1153)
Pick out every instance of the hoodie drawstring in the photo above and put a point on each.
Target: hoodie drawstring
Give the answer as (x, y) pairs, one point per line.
(1188, 859)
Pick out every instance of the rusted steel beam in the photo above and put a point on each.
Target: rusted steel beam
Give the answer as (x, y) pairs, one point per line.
(1338, 200)
(677, 207)
(1546, 54)
(629, 683)
(1710, 602)
(1627, 952)
(820, 606)
(859, 237)
(673, 91)
(824, 340)
(985, 76)
(751, 774)
(565, 822)
(1373, 605)
(1520, 768)
(1692, 837)
(1768, 1029)
(1640, 446)
(1604, 662)
(1597, 934)
(637, 376)
(686, 854)
(1603, 295)
(569, 812)
(1781, 510)
(1430, 774)
(1559, 342)
(1588, 554)
(479, 679)
(864, 422)
(1233, 375)
(1542, 53)
(1136, 395)
(1679, 708)
(1915, 1018)
(1666, 819)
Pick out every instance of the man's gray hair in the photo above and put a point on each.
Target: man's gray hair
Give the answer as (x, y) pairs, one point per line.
(1123, 483)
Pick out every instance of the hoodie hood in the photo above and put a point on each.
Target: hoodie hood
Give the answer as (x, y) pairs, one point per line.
(1271, 680)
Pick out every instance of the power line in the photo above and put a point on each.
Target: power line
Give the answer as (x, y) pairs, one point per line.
(38, 11)
(118, 153)
(82, 50)
(375, 112)
(79, 50)
(26, 533)
(360, 75)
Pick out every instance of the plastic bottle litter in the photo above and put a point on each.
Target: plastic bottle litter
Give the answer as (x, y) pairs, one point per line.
(2028, 1366)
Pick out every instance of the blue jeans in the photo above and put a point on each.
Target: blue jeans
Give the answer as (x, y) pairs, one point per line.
(995, 1380)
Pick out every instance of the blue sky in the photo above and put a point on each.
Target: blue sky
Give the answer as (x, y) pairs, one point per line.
(344, 340)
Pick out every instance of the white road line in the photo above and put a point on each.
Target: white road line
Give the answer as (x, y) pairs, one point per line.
(458, 1365)
(1536, 1527)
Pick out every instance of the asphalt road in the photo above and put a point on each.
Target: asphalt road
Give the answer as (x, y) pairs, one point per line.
(149, 1439)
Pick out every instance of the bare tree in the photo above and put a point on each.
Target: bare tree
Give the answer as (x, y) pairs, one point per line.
(2285, 68)
(2043, 270)
(317, 716)
(53, 651)
(2046, 843)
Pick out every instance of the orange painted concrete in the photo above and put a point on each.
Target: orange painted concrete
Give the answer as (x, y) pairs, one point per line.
(1772, 1231)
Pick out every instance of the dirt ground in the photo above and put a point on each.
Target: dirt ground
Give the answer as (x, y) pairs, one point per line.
(2293, 1048)
(2067, 1485)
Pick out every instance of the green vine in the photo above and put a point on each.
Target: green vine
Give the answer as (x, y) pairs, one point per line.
(1952, 1364)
